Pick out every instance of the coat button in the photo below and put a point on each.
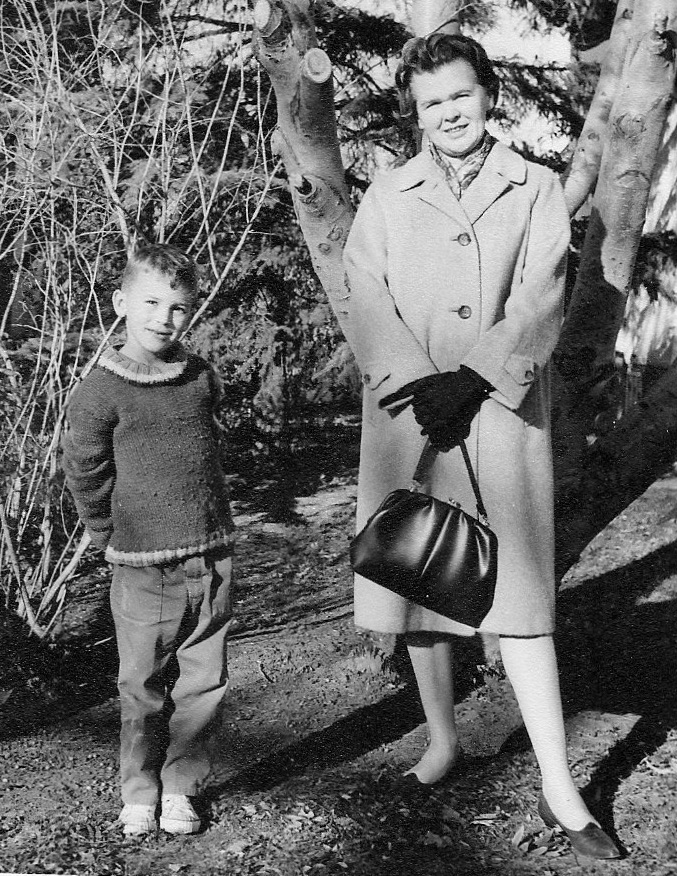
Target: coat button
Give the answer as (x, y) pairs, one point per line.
(528, 375)
(366, 379)
(463, 239)
(465, 312)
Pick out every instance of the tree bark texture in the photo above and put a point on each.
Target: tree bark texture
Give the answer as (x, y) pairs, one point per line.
(585, 353)
(306, 139)
(584, 166)
(619, 205)
(434, 15)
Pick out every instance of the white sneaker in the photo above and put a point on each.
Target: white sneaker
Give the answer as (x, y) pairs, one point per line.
(178, 815)
(137, 819)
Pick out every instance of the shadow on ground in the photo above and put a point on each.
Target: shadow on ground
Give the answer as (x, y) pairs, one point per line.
(297, 466)
(616, 644)
(352, 736)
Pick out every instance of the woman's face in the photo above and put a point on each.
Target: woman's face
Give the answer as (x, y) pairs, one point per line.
(451, 106)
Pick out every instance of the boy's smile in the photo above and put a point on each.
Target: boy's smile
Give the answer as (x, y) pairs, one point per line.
(156, 315)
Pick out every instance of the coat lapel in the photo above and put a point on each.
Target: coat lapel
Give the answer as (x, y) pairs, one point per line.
(502, 168)
(437, 193)
(421, 176)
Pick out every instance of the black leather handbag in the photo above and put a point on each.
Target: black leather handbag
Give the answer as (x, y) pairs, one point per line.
(431, 551)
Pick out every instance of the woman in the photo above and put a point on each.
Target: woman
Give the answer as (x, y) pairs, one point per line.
(455, 265)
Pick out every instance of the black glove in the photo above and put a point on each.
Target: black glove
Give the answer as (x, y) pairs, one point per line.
(442, 399)
(444, 439)
(445, 436)
(439, 398)
(444, 404)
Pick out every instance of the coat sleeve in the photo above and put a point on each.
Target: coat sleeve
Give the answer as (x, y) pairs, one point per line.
(88, 460)
(513, 351)
(386, 351)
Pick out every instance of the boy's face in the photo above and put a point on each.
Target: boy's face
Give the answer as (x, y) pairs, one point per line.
(156, 314)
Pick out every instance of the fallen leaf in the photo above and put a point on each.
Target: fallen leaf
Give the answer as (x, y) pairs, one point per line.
(539, 850)
(237, 847)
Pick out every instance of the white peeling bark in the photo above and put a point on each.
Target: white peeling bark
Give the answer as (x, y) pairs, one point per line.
(584, 167)
(306, 138)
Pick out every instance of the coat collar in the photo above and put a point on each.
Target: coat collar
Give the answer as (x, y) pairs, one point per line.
(502, 168)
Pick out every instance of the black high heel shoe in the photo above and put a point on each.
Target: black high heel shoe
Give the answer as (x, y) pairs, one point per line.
(592, 841)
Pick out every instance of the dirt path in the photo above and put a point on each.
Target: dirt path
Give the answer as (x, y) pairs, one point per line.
(321, 722)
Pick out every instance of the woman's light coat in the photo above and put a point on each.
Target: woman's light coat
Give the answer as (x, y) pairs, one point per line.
(435, 283)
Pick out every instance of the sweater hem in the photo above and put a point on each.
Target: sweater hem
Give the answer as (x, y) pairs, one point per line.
(167, 555)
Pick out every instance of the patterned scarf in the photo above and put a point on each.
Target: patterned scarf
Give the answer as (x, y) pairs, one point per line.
(459, 178)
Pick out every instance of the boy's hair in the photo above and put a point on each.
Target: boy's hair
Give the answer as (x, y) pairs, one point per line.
(168, 260)
(426, 54)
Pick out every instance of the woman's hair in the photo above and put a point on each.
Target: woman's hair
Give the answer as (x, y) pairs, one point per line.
(425, 54)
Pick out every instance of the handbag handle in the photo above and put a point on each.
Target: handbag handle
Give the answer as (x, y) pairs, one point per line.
(426, 459)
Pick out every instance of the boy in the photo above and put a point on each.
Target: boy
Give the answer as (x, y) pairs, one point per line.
(141, 459)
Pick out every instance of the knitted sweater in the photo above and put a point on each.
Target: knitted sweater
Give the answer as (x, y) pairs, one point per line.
(141, 457)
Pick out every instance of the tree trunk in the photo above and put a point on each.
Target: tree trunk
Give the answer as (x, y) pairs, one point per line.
(583, 169)
(619, 204)
(434, 15)
(306, 139)
(585, 353)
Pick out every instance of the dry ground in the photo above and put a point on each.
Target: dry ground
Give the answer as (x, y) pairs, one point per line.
(321, 721)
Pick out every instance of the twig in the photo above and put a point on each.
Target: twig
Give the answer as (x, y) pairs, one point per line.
(30, 616)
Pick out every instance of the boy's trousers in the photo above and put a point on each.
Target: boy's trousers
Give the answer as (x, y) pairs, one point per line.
(171, 623)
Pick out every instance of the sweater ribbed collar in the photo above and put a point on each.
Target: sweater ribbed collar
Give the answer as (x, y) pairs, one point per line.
(111, 359)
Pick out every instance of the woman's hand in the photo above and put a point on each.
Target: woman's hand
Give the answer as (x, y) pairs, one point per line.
(445, 439)
(442, 398)
(444, 404)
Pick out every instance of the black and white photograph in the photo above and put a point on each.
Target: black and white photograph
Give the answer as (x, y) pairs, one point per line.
(338, 437)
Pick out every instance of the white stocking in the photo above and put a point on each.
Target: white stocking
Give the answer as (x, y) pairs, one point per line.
(531, 667)
(432, 659)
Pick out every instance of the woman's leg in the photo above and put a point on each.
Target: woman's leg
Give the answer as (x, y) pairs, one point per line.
(432, 659)
(531, 667)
